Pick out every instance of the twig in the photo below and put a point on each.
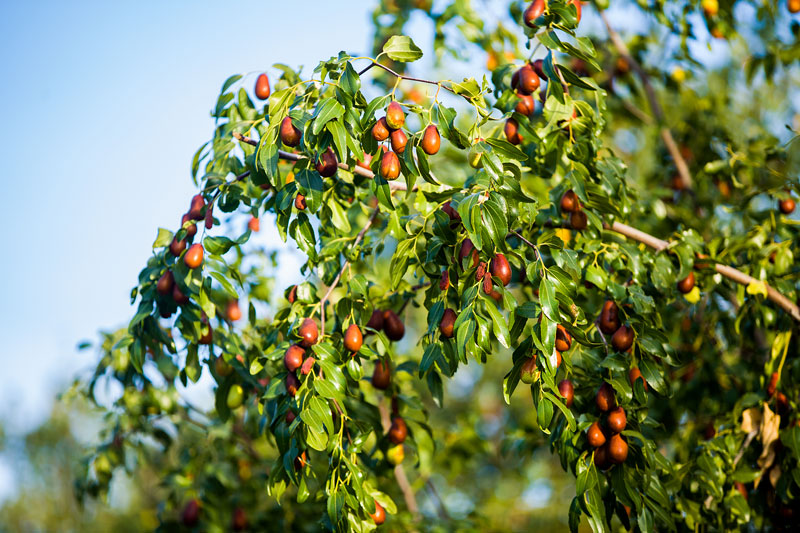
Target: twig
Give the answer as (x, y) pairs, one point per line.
(409, 78)
(443, 514)
(729, 272)
(399, 471)
(666, 134)
(529, 243)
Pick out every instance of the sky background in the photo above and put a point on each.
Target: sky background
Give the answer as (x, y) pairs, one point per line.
(104, 105)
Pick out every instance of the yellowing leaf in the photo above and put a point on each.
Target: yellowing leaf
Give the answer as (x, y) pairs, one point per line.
(751, 419)
(693, 296)
(564, 234)
(757, 287)
(769, 437)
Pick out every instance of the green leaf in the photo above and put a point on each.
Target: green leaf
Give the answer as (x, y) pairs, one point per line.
(328, 110)
(164, 238)
(547, 298)
(499, 323)
(401, 48)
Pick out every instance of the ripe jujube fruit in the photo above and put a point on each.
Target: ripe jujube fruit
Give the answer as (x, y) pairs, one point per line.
(622, 338)
(528, 373)
(444, 281)
(327, 163)
(232, 311)
(381, 376)
(773, 384)
(511, 129)
(532, 12)
(609, 318)
(488, 287)
(364, 163)
(308, 366)
(293, 358)
(451, 212)
(262, 87)
(290, 135)
(538, 68)
(206, 333)
(191, 229)
(191, 513)
(393, 326)
(467, 248)
(431, 140)
(605, 398)
(446, 325)
(398, 430)
(209, 217)
(196, 207)
(567, 391)
(165, 283)
(292, 384)
(601, 457)
(390, 166)
(578, 220)
(379, 516)
(292, 296)
(501, 269)
(635, 374)
(178, 296)
(786, 206)
(686, 284)
(595, 435)
(380, 131)
(194, 256)
(563, 339)
(617, 449)
(176, 247)
(309, 332)
(376, 320)
(300, 202)
(793, 6)
(527, 80)
(353, 338)
(569, 202)
(399, 140)
(395, 117)
(525, 105)
(617, 420)
(253, 224)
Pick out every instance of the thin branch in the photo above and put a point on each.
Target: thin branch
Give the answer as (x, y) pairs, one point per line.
(399, 471)
(666, 134)
(729, 272)
(443, 514)
(409, 78)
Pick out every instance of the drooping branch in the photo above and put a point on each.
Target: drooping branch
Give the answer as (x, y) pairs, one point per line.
(666, 134)
(729, 272)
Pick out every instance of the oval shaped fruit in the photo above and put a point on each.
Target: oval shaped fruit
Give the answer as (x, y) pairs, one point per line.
(396, 454)
(532, 12)
(390, 166)
(467, 248)
(526, 105)
(290, 135)
(380, 131)
(393, 326)
(528, 373)
(773, 384)
(527, 80)
(635, 374)
(793, 5)
(451, 212)
(617, 449)
(300, 202)
(292, 296)
(488, 287)
(376, 320)
(446, 325)
(577, 5)
(609, 318)
(293, 358)
(379, 516)
(196, 207)
(239, 521)
(235, 396)
(232, 311)
(501, 269)
(176, 247)
(431, 140)
(178, 296)
(578, 220)
(327, 163)
(595, 435)
(165, 283)
(567, 391)
(617, 420)
(605, 398)
(262, 87)
(209, 217)
(253, 224)
(622, 338)
(398, 430)
(381, 376)
(710, 7)
(194, 256)
(308, 366)
(309, 333)
(395, 117)
(538, 68)
(398, 140)
(563, 339)
(569, 202)
(221, 367)
(191, 229)
(364, 163)
(206, 333)
(191, 513)
(511, 129)
(601, 457)
(353, 338)
(292, 384)
(444, 281)
(686, 284)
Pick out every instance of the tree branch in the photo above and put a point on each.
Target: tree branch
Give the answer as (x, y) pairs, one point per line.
(409, 78)
(729, 272)
(666, 134)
